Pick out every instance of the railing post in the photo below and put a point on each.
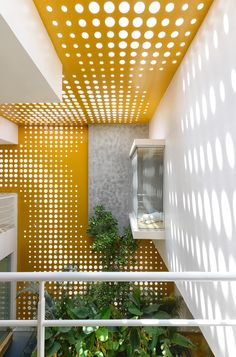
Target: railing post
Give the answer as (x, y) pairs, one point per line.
(41, 318)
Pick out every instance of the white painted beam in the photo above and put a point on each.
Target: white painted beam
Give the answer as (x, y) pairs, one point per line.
(30, 69)
(8, 132)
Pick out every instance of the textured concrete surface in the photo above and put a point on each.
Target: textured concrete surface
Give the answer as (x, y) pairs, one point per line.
(110, 174)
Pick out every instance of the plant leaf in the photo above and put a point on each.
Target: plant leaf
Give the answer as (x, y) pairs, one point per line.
(134, 338)
(89, 329)
(183, 341)
(102, 334)
(54, 349)
(64, 329)
(151, 308)
(134, 310)
(48, 333)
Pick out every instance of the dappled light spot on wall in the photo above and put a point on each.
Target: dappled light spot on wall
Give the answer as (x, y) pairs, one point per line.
(198, 252)
(216, 211)
(221, 261)
(219, 154)
(203, 303)
(209, 156)
(197, 112)
(229, 145)
(222, 91)
(212, 98)
(231, 341)
(195, 159)
(212, 257)
(234, 207)
(202, 158)
(204, 106)
(207, 208)
(200, 207)
(190, 162)
(226, 23)
(226, 215)
(194, 207)
(233, 79)
(215, 39)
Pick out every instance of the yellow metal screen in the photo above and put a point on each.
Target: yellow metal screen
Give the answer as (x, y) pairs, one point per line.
(49, 171)
(118, 58)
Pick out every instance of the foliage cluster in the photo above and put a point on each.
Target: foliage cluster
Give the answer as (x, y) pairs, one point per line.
(111, 301)
(112, 341)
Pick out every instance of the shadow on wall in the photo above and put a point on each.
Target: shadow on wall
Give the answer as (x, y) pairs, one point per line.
(200, 167)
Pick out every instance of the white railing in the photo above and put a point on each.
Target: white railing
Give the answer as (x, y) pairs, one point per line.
(41, 323)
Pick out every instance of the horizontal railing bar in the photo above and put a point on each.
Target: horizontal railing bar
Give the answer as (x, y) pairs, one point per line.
(120, 323)
(18, 323)
(118, 276)
(139, 322)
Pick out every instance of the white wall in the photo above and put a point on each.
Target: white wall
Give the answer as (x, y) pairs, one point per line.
(197, 118)
(8, 132)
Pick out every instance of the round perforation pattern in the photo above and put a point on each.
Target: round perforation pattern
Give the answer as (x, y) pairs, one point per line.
(48, 169)
(103, 45)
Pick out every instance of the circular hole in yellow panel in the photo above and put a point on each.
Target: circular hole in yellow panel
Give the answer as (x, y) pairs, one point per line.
(110, 21)
(170, 7)
(124, 7)
(94, 7)
(154, 7)
(109, 7)
(167, 54)
(79, 8)
(170, 44)
(137, 22)
(149, 34)
(146, 45)
(155, 54)
(55, 23)
(64, 8)
(165, 22)
(96, 22)
(179, 21)
(193, 21)
(200, 6)
(158, 45)
(134, 45)
(110, 34)
(111, 45)
(82, 23)
(123, 44)
(49, 8)
(151, 22)
(85, 35)
(139, 7)
(123, 34)
(161, 34)
(136, 34)
(123, 21)
(174, 34)
(97, 34)
(185, 7)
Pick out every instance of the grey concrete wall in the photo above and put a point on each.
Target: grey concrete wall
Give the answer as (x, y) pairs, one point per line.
(110, 167)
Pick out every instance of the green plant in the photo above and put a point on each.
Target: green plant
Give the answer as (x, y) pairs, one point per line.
(113, 341)
(115, 252)
(106, 300)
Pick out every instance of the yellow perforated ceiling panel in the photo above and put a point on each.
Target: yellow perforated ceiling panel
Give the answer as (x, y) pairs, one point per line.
(118, 58)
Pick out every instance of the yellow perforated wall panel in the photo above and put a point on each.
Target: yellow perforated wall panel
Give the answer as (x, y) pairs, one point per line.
(49, 170)
(118, 58)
